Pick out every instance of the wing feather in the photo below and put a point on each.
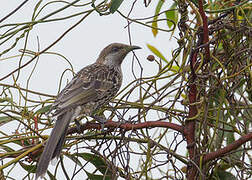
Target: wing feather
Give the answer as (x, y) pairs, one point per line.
(89, 85)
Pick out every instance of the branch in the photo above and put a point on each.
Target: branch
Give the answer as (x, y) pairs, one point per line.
(205, 31)
(12, 12)
(47, 48)
(126, 126)
(221, 152)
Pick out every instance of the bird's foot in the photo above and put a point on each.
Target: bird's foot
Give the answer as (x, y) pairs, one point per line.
(78, 125)
(121, 118)
(101, 119)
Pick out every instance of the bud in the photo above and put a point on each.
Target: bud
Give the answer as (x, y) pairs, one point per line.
(151, 58)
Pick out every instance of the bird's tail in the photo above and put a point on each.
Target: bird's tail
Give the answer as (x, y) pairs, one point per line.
(54, 144)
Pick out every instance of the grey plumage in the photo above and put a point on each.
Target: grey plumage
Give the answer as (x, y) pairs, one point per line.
(93, 86)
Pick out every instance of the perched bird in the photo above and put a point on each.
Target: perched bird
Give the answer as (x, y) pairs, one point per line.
(92, 87)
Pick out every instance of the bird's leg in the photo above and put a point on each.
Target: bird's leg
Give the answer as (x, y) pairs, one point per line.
(117, 114)
(76, 118)
(101, 119)
(78, 125)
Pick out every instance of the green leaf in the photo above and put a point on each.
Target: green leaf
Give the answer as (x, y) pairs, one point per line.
(29, 168)
(156, 52)
(96, 177)
(97, 161)
(73, 158)
(52, 177)
(220, 95)
(176, 69)
(172, 15)
(154, 22)
(229, 135)
(6, 148)
(115, 4)
(195, 2)
(6, 99)
(223, 175)
(22, 142)
(43, 109)
(6, 119)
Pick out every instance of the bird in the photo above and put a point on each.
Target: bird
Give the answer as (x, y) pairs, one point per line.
(90, 89)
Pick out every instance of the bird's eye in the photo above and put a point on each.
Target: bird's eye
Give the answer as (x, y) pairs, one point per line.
(115, 49)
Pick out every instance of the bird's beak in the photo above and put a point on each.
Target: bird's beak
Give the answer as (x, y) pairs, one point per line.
(131, 48)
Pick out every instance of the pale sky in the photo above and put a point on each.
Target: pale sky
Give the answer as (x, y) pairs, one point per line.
(82, 45)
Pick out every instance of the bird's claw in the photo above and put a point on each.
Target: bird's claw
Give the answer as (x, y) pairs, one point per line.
(78, 125)
(102, 120)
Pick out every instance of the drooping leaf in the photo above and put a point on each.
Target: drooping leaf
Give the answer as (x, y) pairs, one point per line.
(172, 15)
(97, 161)
(73, 158)
(157, 52)
(115, 4)
(6, 99)
(154, 22)
(6, 148)
(223, 175)
(6, 119)
(92, 176)
(52, 177)
(29, 168)
(43, 109)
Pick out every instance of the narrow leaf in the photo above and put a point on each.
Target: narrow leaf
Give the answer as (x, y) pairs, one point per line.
(115, 4)
(157, 52)
(52, 177)
(74, 159)
(6, 119)
(6, 148)
(225, 175)
(43, 109)
(29, 168)
(172, 15)
(154, 22)
(96, 177)
(97, 161)
(6, 99)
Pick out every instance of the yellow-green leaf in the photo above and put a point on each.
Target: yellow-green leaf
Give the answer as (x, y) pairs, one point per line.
(28, 168)
(43, 109)
(157, 52)
(154, 22)
(172, 15)
(175, 69)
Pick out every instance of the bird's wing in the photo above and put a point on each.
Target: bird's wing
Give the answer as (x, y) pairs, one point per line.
(86, 86)
(90, 84)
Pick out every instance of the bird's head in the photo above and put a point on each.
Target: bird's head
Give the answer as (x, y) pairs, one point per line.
(113, 54)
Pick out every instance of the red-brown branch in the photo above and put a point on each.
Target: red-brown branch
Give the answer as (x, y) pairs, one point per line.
(205, 30)
(127, 126)
(221, 152)
(189, 131)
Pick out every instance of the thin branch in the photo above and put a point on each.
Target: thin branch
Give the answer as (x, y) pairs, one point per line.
(12, 12)
(127, 126)
(233, 146)
(47, 48)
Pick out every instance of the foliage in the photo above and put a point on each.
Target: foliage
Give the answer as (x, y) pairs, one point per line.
(190, 119)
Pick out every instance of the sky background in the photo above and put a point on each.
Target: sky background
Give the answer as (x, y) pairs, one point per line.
(82, 45)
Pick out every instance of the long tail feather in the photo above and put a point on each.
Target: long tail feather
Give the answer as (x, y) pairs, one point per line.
(55, 140)
(58, 148)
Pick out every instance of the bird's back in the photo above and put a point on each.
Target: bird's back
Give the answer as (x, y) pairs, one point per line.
(91, 88)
